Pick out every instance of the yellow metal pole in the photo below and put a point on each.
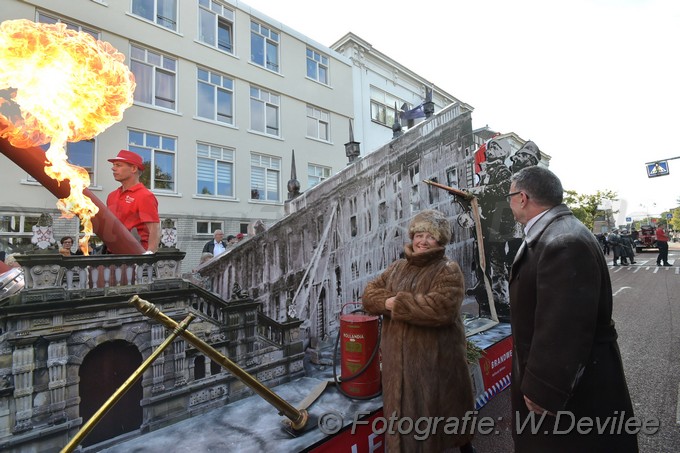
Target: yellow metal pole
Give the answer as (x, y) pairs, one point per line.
(297, 417)
(118, 394)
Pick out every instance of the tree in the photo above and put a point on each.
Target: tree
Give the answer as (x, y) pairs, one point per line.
(674, 223)
(587, 207)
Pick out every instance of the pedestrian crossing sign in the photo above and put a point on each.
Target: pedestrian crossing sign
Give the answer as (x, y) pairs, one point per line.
(657, 168)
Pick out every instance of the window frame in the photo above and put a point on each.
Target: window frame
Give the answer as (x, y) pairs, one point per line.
(267, 39)
(212, 151)
(259, 161)
(222, 15)
(136, 7)
(40, 15)
(154, 154)
(90, 170)
(267, 102)
(159, 64)
(313, 174)
(318, 60)
(316, 121)
(20, 238)
(210, 224)
(382, 104)
(225, 86)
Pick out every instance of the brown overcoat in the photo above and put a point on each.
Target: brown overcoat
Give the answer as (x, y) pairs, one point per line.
(424, 367)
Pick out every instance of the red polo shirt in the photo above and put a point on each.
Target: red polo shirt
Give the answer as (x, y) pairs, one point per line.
(661, 235)
(135, 207)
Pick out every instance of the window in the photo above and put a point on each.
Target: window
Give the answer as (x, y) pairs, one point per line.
(316, 174)
(318, 124)
(161, 12)
(79, 153)
(264, 47)
(216, 25)
(155, 75)
(158, 153)
(264, 111)
(16, 231)
(414, 176)
(265, 177)
(215, 97)
(47, 19)
(382, 106)
(317, 66)
(208, 226)
(215, 170)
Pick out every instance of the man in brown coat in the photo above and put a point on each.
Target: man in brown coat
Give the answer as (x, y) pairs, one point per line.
(566, 362)
(424, 368)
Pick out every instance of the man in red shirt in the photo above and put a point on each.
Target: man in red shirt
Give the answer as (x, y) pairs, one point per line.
(662, 244)
(132, 203)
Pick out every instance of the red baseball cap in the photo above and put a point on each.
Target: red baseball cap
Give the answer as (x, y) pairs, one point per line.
(131, 158)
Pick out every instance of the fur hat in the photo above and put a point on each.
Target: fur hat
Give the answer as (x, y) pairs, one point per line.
(433, 222)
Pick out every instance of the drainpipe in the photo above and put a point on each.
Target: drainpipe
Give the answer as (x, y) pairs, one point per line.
(105, 224)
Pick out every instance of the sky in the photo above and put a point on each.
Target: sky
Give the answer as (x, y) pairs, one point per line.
(593, 82)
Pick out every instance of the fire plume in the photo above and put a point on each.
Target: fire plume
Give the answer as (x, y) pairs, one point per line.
(57, 86)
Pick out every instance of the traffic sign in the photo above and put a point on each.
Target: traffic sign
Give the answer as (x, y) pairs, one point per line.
(659, 168)
(669, 216)
(629, 219)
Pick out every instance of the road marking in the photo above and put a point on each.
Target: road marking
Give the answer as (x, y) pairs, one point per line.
(656, 270)
(616, 294)
(637, 269)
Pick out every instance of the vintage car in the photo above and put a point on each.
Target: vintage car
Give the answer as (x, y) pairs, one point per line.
(646, 238)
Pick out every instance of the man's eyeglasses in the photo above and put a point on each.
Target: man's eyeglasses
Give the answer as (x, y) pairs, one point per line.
(512, 194)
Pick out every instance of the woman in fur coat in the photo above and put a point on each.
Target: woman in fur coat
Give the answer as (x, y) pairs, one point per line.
(424, 368)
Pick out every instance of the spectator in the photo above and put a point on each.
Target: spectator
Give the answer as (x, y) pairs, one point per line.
(627, 247)
(132, 203)
(240, 237)
(66, 245)
(565, 355)
(11, 261)
(231, 240)
(205, 256)
(217, 245)
(614, 240)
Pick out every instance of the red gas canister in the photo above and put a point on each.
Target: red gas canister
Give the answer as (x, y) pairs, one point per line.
(359, 357)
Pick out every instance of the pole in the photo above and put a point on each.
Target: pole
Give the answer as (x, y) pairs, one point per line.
(467, 196)
(297, 417)
(105, 224)
(118, 394)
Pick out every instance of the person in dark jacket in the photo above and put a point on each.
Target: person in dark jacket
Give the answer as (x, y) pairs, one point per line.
(614, 240)
(627, 247)
(217, 245)
(567, 365)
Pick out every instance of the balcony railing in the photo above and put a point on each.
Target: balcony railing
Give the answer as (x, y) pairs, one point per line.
(52, 270)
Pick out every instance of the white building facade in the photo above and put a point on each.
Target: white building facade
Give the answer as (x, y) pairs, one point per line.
(383, 87)
(224, 96)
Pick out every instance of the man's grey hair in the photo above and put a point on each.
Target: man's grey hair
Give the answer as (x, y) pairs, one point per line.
(542, 185)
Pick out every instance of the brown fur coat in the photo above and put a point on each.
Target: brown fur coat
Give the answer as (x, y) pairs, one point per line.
(424, 367)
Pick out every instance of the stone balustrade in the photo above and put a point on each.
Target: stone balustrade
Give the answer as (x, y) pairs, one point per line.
(44, 270)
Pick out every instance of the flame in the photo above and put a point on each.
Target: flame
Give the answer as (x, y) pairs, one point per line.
(56, 86)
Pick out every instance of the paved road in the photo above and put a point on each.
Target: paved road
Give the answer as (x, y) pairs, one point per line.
(647, 316)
